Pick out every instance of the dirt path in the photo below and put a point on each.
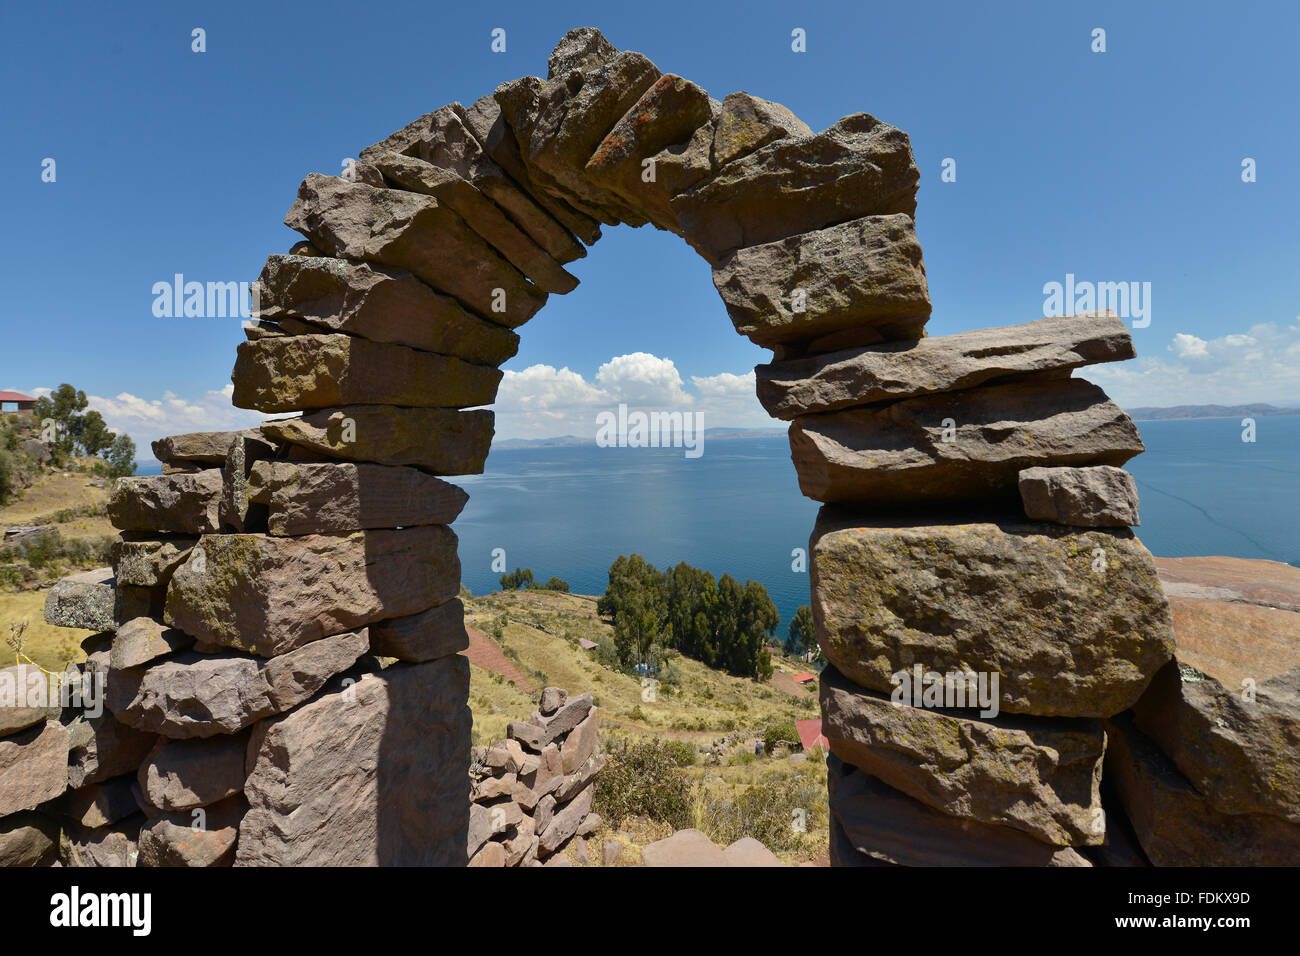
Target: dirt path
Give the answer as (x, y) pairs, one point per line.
(486, 653)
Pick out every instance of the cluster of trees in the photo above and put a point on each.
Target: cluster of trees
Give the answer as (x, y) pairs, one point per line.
(719, 622)
(78, 432)
(523, 578)
(803, 634)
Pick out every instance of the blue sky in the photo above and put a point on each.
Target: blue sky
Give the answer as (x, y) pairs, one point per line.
(1115, 166)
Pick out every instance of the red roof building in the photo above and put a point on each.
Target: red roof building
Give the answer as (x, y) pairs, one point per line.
(23, 402)
(810, 734)
(804, 678)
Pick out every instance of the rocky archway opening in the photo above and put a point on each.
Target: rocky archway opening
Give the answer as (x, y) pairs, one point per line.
(282, 562)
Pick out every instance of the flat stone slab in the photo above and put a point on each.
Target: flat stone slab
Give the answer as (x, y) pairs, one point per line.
(1242, 580)
(149, 561)
(1041, 776)
(1073, 622)
(441, 441)
(183, 774)
(287, 373)
(416, 233)
(1098, 497)
(270, 595)
(1176, 824)
(372, 774)
(200, 695)
(962, 446)
(196, 448)
(888, 826)
(857, 167)
(382, 305)
(426, 636)
(307, 498)
(142, 639)
(940, 363)
(185, 503)
(862, 279)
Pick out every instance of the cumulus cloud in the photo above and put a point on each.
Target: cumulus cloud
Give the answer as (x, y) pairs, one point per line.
(542, 401)
(1262, 365)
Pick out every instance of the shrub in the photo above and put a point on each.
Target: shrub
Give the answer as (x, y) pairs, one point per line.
(643, 779)
(779, 732)
(766, 811)
(682, 751)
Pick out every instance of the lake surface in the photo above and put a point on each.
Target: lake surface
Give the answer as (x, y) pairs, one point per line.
(737, 510)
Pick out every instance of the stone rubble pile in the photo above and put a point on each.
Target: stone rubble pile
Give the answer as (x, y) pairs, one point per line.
(975, 520)
(532, 793)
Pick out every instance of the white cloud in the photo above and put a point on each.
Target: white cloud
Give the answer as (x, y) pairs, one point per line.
(544, 402)
(1262, 365)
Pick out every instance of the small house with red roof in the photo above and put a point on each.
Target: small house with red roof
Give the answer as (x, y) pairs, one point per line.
(810, 734)
(16, 402)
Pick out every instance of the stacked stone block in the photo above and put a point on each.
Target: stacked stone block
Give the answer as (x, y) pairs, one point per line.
(532, 793)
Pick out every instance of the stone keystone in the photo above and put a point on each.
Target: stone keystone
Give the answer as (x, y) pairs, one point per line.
(270, 595)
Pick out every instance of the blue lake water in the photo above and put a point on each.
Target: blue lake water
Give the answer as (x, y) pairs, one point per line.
(737, 510)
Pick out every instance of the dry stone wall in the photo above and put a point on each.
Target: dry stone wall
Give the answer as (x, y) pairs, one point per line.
(279, 632)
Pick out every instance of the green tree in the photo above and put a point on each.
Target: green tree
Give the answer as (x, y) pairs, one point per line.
(517, 579)
(555, 584)
(120, 457)
(803, 632)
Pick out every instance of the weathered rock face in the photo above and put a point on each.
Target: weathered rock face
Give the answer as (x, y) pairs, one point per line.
(104, 846)
(857, 167)
(289, 372)
(439, 440)
(382, 305)
(1074, 623)
(373, 774)
(943, 363)
(33, 766)
(102, 748)
(314, 498)
(1175, 824)
(195, 448)
(27, 838)
(887, 826)
(85, 600)
(200, 838)
(865, 276)
(1097, 497)
(1226, 711)
(26, 698)
(183, 774)
(1041, 776)
(964, 446)
(98, 804)
(148, 562)
(182, 503)
(270, 595)
(199, 695)
(141, 640)
(426, 636)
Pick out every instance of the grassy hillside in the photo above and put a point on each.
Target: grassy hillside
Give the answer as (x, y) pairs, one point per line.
(713, 717)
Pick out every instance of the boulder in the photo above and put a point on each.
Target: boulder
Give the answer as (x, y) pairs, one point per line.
(142, 639)
(86, 600)
(520, 842)
(196, 838)
(426, 636)
(372, 774)
(667, 113)
(199, 695)
(863, 279)
(102, 747)
(187, 503)
(749, 852)
(492, 854)
(684, 848)
(1073, 622)
(292, 372)
(941, 363)
(313, 498)
(26, 839)
(1226, 711)
(270, 595)
(183, 774)
(552, 699)
(564, 823)
(33, 766)
(1176, 824)
(857, 167)
(110, 846)
(582, 49)
(482, 215)
(26, 698)
(1038, 775)
(439, 440)
(889, 826)
(196, 448)
(148, 562)
(1098, 497)
(98, 804)
(572, 713)
(382, 305)
(746, 123)
(963, 446)
(582, 774)
(418, 234)
(579, 745)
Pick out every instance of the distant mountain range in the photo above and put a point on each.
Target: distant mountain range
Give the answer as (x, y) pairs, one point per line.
(1258, 410)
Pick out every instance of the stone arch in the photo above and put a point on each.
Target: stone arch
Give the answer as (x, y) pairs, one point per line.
(323, 538)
